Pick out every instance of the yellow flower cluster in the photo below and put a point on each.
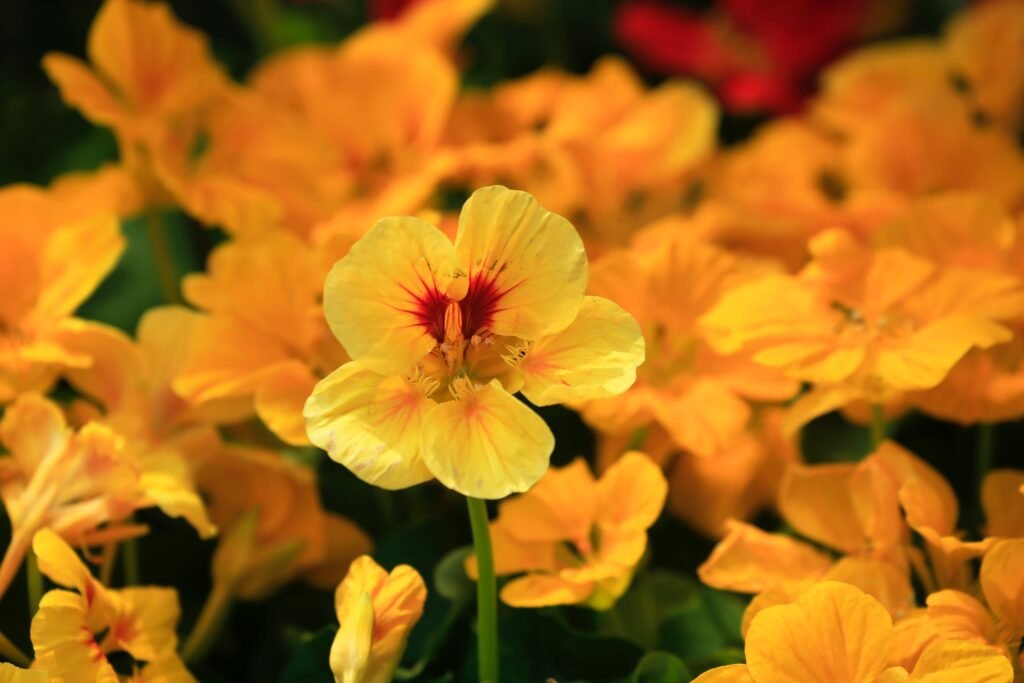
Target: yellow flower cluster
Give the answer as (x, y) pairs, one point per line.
(700, 304)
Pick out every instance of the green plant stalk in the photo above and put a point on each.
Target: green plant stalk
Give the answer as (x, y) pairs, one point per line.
(35, 582)
(130, 557)
(13, 653)
(163, 257)
(486, 593)
(877, 425)
(208, 625)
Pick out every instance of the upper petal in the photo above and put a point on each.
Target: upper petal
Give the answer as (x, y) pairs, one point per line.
(631, 493)
(527, 267)
(385, 300)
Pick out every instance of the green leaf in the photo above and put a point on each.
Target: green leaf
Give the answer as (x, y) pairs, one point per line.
(309, 663)
(660, 667)
(450, 578)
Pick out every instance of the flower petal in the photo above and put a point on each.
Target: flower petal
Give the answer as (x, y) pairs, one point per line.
(527, 267)
(385, 300)
(595, 357)
(371, 424)
(952, 661)
(544, 590)
(486, 444)
(631, 494)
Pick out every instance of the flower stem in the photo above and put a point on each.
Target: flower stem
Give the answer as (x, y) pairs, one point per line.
(109, 561)
(486, 593)
(13, 557)
(982, 464)
(877, 425)
(13, 653)
(130, 557)
(163, 257)
(210, 620)
(35, 582)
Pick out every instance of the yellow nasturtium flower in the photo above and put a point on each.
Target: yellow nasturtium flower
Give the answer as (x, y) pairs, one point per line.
(75, 630)
(835, 633)
(577, 540)
(377, 610)
(12, 674)
(443, 335)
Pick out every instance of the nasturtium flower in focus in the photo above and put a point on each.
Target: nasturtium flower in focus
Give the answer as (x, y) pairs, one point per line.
(12, 674)
(574, 539)
(441, 336)
(76, 630)
(835, 633)
(377, 610)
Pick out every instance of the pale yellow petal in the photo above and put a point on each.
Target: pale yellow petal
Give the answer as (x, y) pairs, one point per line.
(385, 300)
(544, 590)
(486, 444)
(527, 267)
(954, 661)
(630, 494)
(595, 357)
(1002, 581)
(371, 424)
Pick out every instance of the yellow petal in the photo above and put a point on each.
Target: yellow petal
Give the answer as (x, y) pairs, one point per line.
(371, 424)
(33, 429)
(1002, 496)
(527, 267)
(177, 497)
(911, 635)
(630, 494)
(64, 645)
(1002, 581)
(486, 444)
(959, 616)
(12, 674)
(146, 627)
(280, 400)
(833, 632)
(350, 651)
(749, 560)
(703, 416)
(544, 590)
(116, 366)
(60, 564)
(385, 300)
(733, 673)
(595, 357)
(344, 541)
(883, 581)
(81, 89)
(954, 661)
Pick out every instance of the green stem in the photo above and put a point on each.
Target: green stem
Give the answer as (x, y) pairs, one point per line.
(209, 623)
(163, 257)
(877, 425)
(35, 582)
(486, 593)
(13, 653)
(130, 556)
(982, 464)
(109, 562)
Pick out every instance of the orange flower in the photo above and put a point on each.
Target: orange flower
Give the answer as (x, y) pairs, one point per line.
(862, 324)
(699, 396)
(1002, 496)
(274, 528)
(270, 349)
(50, 261)
(835, 633)
(377, 610)
(576, 539)
(601, 146)
(442, 335)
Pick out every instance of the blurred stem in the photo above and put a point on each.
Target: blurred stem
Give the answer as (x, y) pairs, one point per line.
(13, 653)
(639, 438)
(209, 623)
(35, 582)
(982, 464)
(109, 561)
(260, 18)
(386, 505)
(132, 571)
(486, 593)
(877, 425)
(13, 557)
(163, 257)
